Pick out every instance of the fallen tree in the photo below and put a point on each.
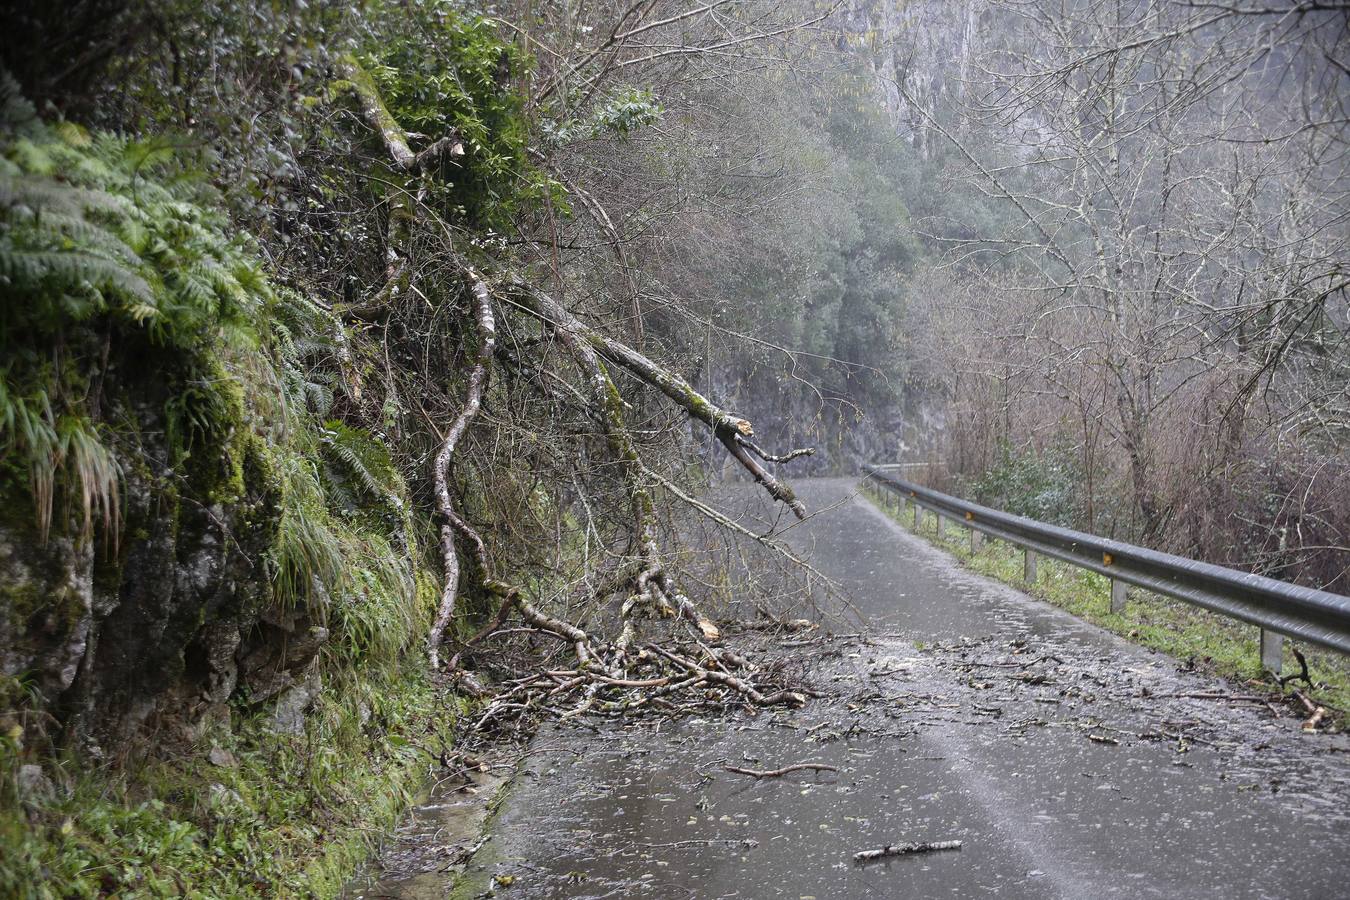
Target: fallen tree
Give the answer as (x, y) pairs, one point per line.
(615, 671)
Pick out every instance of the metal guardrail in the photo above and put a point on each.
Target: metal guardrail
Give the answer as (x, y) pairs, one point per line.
(1279, 608)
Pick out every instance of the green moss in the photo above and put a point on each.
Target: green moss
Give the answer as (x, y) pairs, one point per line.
(209, 430)
(369, 93)
(1210, 642)
(19, 601)
(468, 91)
(292, 818)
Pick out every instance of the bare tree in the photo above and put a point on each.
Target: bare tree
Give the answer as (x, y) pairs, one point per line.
(1178, 173)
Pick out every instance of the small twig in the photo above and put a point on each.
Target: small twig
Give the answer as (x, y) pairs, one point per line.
(534, 750)
(791, 625)
(1315, 719)
(1303, 698)
(1188, 738)
(1316, 713)
(705, 842)
(864, 856)
(774, 458)
(1303, 666)
(1213, 695)
(775, 773)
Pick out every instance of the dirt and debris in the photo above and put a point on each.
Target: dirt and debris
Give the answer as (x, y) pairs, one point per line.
(1061, 756)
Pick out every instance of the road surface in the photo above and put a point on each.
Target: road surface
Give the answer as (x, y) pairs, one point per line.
(1056, 752)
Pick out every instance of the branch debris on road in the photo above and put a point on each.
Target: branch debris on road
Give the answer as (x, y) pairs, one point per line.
(865, 856)
(776, 773)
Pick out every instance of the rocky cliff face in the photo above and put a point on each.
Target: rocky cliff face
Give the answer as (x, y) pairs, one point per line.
(924, 49)
(182, 526)
(172, 615)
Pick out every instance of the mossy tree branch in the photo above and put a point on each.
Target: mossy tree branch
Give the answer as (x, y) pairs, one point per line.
(375, 113)
(730, 429)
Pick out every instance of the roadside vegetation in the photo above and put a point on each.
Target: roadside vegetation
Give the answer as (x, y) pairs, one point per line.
(234, 809)
(315, 431)
(316, 726)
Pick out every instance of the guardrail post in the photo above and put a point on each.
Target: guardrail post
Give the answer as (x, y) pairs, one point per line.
(918, 516)
(1117, 595)
(1272, 650)
(941, 525)
(976, 537)
(1029, 566)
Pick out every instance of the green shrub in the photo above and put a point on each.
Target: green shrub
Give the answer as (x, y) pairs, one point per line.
(1040, 485)
(442, 72)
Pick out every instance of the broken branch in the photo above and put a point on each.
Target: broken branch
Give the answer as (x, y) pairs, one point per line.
(727, 426)
(778, 773)
(450, 520)
(864, 856)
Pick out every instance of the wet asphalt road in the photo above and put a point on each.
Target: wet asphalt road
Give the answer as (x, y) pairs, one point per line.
(974, 713)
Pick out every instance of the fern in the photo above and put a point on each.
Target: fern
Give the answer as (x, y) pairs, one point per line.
(32, 271)
(104, 243)
(314, 347)
(62, 226)
(17, 114)
(320, 397)
(308, 341)
(59, 449)
(366, 459)
(26, 189)
(356, 469)
(97, 235)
